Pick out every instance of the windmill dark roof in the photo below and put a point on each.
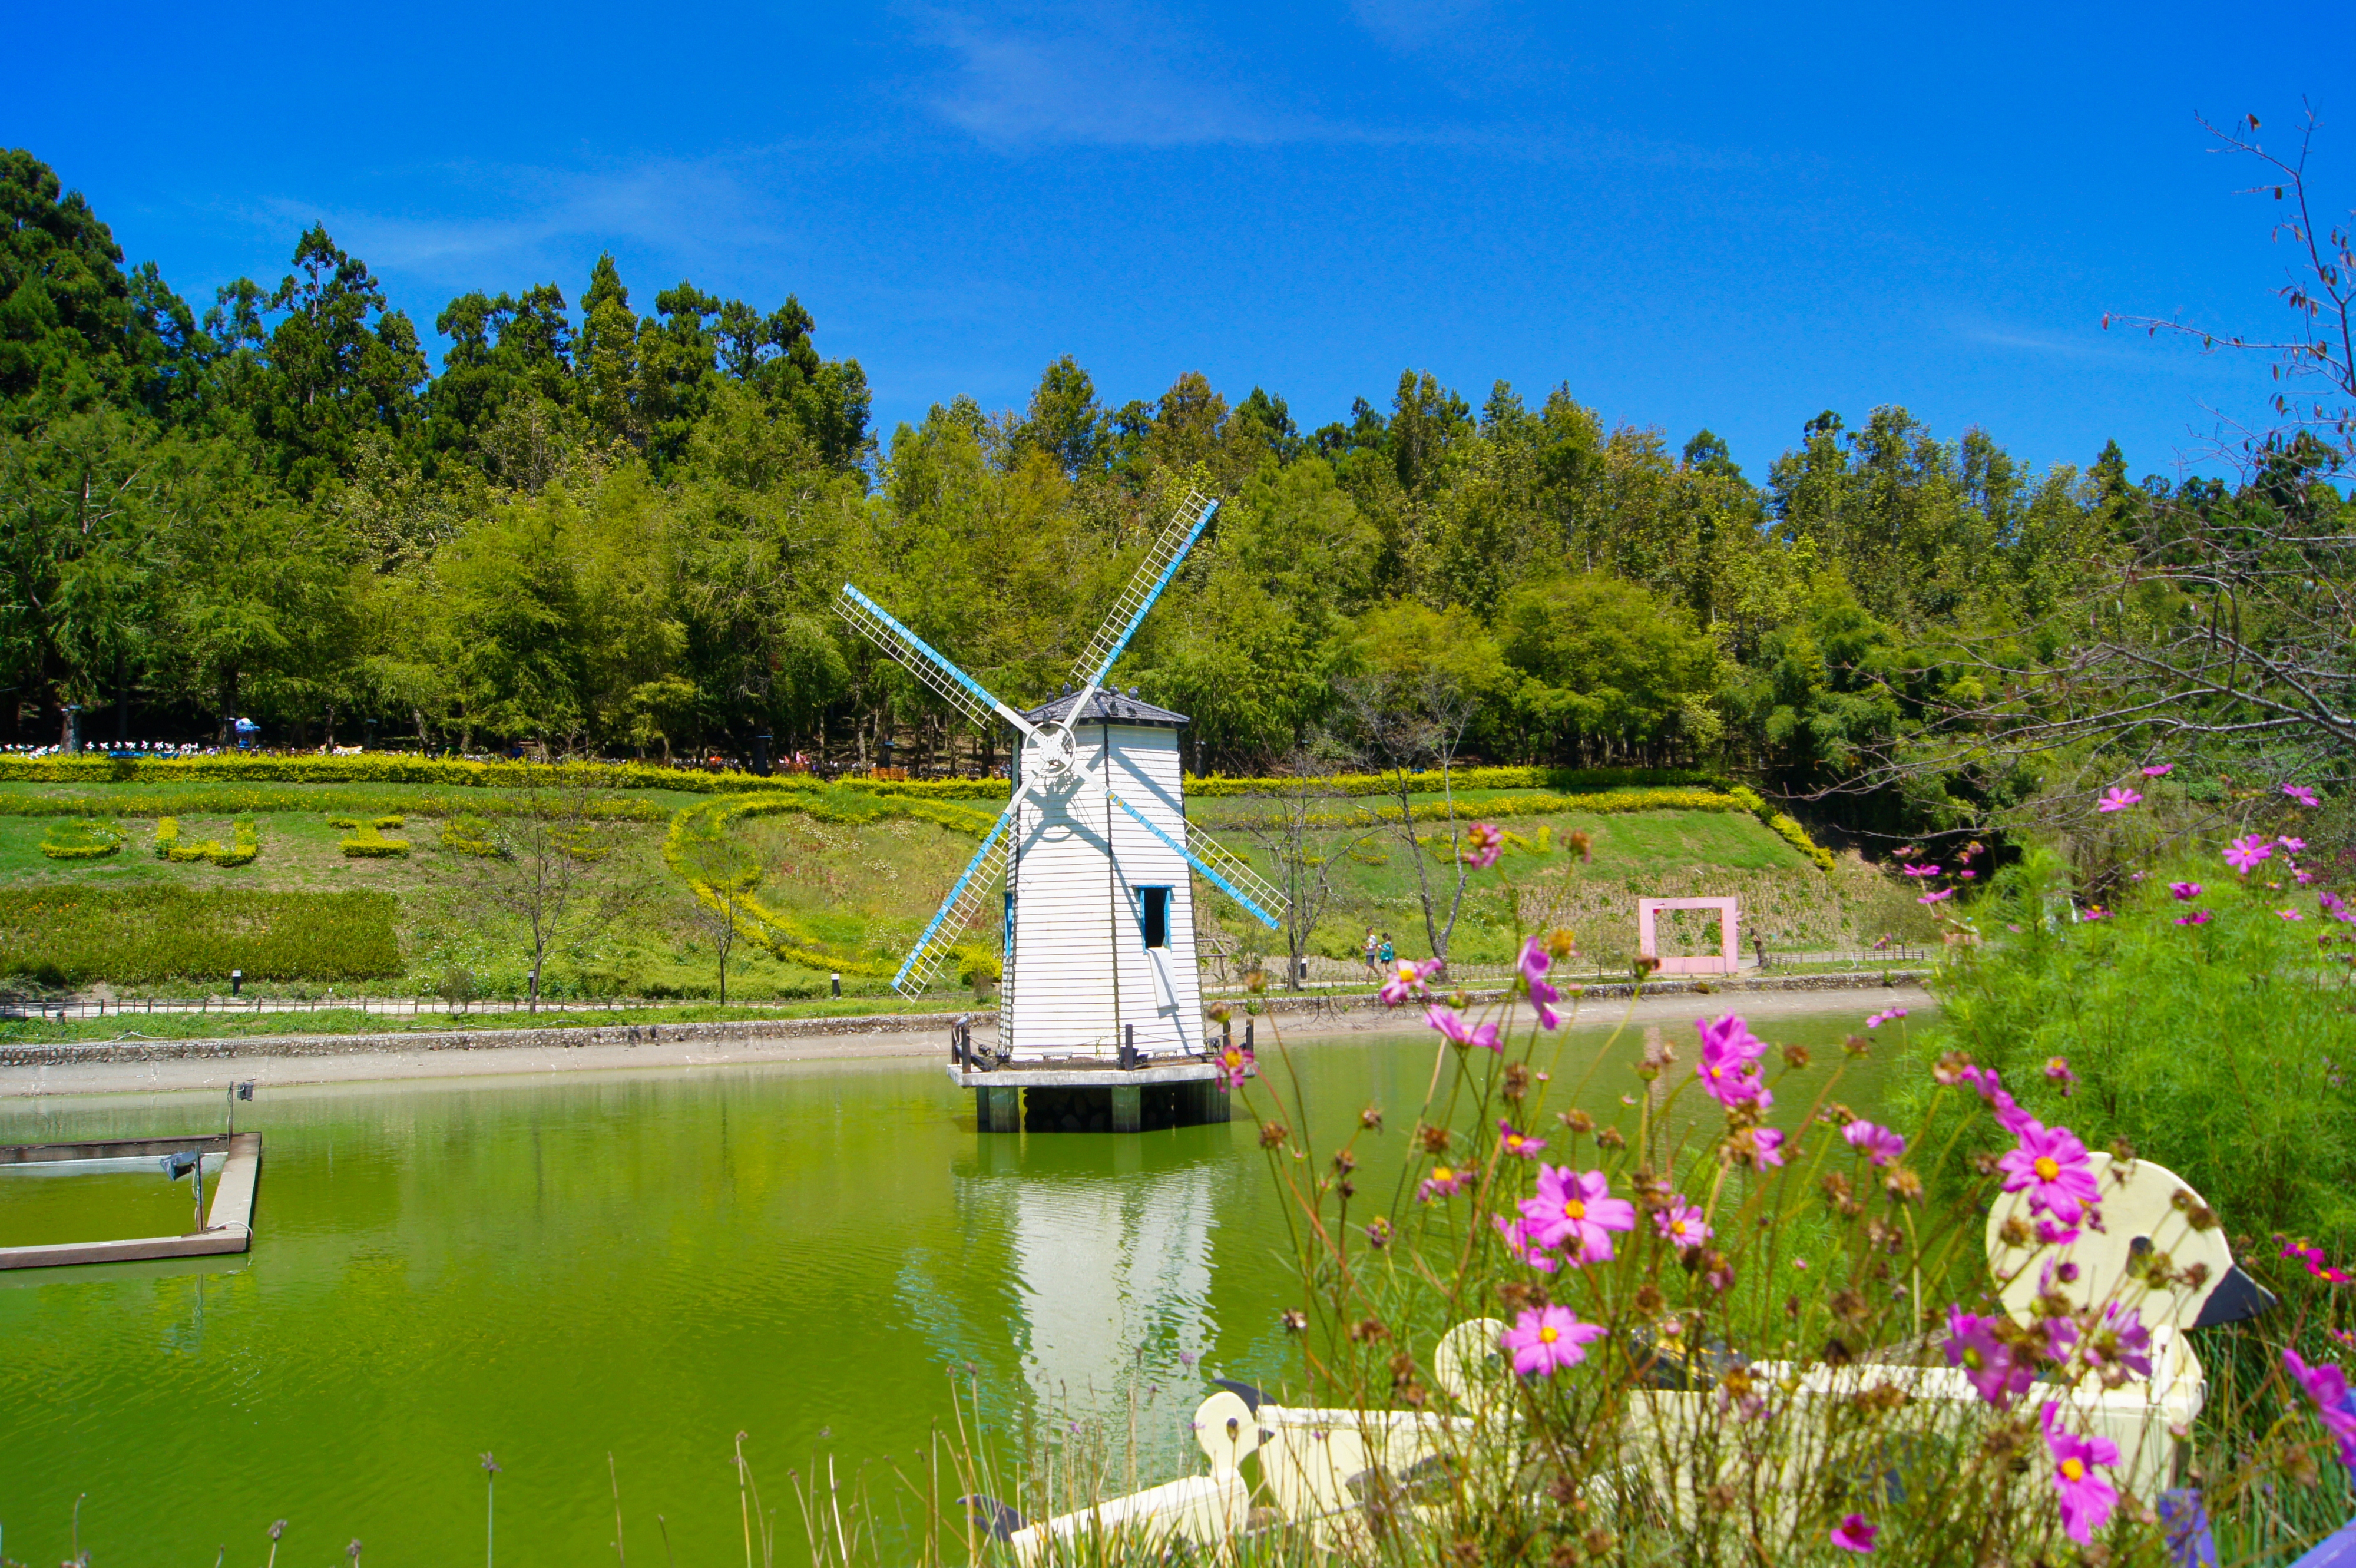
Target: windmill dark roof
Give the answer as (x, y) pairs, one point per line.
(1106, 706)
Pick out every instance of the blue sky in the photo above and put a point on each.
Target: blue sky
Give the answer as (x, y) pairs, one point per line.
(1730, 216)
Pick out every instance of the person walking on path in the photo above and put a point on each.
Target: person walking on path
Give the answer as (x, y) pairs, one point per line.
(1386, 955)
(1372, 949)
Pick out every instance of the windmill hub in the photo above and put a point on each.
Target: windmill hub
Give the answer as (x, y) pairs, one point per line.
(1047, 755)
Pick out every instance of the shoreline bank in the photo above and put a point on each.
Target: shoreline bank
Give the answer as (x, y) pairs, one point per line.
(40, 1072)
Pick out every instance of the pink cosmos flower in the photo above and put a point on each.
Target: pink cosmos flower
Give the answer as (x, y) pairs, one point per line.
(1893, 1014)
(2061, 1338)
(1988, 1362)
(1235, 1065)
(1452, 1024)
(2120, 1346)
(1878, 1144)
(2057, 1069)
(1444, 1181)
(2302, 794)
(2302, 877)
(1917, 870)
(1681, 1226)
(1546, 1341)
(2327, 1385)
(2291, 914)
(1941, 897)
(1576, 1208)
(1729, 1069)
(2198, 918)
(1517, 1245)
(2185, 891)
(1406, 980)
(1731, 1037)
(2008, 1114)
(2051, 1167)
(1759, 1146)
(1483, 844)
(2292, 845)
(2118, 799)
(1853, 1534)
(2159, 770)
(1533, 965)
(2087, 1499)
(2245, 853)
(1519, 1144)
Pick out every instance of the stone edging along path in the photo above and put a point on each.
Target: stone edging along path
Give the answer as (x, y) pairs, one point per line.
(1354, 1007)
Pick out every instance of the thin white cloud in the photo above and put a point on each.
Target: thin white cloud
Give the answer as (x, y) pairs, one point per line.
(1094, 77)
(539, 220)
(2093, 346)
(1104, 77)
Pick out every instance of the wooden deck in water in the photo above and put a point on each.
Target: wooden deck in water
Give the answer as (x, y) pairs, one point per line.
(229, 1219)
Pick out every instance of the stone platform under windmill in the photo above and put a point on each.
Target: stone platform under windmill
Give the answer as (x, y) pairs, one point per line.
(1099, 1008)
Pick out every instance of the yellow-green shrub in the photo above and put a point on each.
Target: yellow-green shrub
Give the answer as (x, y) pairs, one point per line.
(81, 840)
(245, 844)
(369, 842)
(1782, 826)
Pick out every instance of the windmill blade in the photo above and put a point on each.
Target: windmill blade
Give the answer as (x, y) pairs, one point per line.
(961, 691)
(1145, 586)
(1224, 869)
(958, 909)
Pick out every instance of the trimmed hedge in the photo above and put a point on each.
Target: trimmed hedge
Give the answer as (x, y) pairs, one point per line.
(229, 801)
(130, 936)
(393, 769)
(1784, 828)
(1580, 780)
(369, 842)
(244, 846)
(79, 840)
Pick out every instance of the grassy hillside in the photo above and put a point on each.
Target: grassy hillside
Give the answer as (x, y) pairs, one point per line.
(852, 869)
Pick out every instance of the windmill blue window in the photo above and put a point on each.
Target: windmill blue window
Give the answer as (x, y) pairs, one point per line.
(1153, 915)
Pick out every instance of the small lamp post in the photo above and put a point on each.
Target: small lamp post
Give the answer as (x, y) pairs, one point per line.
(236, 981)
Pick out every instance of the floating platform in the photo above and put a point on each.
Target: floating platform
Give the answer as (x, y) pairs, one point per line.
(1090, 1094)
(229, 1219)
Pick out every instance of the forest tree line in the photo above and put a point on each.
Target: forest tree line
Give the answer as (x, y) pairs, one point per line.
(614, 530)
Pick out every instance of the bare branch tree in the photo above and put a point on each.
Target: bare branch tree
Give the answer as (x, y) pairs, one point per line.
(555, 866)
(721, 876)
(1302, 824)
(2222, 625)
(1409, 723)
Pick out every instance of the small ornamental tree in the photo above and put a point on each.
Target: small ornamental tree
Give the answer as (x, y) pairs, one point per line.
(721, 871)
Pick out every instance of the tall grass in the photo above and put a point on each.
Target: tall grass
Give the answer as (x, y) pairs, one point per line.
(69, 935)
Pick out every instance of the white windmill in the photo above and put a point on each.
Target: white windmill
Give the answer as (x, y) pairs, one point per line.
(1095, 849)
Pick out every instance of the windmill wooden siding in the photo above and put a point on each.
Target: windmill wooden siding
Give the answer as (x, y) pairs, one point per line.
(1081, 968)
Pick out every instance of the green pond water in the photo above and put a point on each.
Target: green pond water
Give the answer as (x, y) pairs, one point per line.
(555, 1270)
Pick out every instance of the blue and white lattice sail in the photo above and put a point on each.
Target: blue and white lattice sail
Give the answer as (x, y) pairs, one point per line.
(1096, 852)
